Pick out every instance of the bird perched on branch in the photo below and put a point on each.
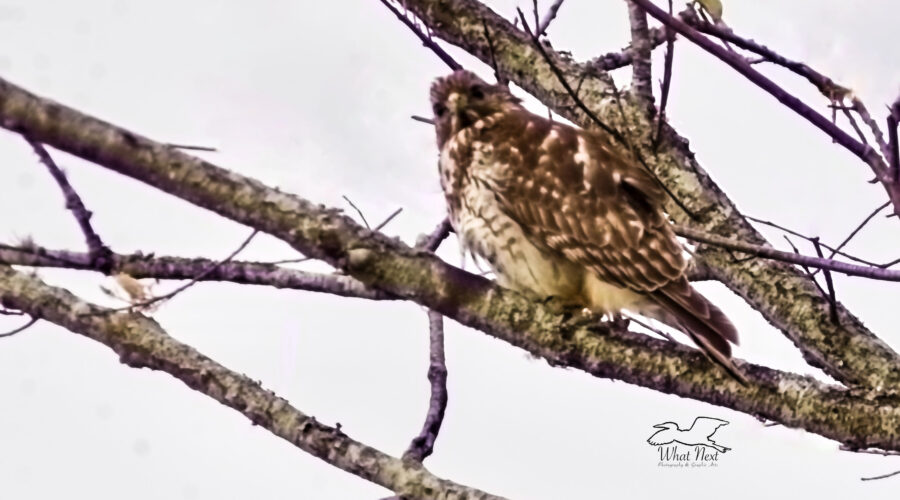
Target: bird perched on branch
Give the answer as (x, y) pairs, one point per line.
(561, 212)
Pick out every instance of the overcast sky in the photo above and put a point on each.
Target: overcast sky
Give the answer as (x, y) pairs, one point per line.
(315, 97)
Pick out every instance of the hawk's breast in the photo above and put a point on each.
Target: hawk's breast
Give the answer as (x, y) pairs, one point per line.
(472, 170)
(468, 171)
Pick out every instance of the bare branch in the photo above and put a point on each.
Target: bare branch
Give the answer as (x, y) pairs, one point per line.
(154, 266)
(666, 83)
(858, 228)
(423, 444)
(883, 476)
(98, 250)
(864, 152)
(190, 147)
(432, 241)
(869, 451)
(426, 40)
(893, 121)
(549, 17)
(641, 74)
(144, 304)
(141, 343)
(388, 219)
(804, 260)
(33, 320)
(616, 60)
(422, 119)
(828, 283)
(502, 80)
(358, 211)
(834, 250)
(826, 86)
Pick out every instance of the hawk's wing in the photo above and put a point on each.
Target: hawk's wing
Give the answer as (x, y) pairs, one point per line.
(577, 195)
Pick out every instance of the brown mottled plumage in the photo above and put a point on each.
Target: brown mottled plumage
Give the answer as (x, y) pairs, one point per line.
(558, 211)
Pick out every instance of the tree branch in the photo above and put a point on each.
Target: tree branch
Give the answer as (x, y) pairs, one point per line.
(98, 251)
(423, 444)
(863, 151)
(548, 17)
(624, 57)
(140, 266)
(425, 39)
(641, 73)
(141, 343)
(826, 86)
(793, 258)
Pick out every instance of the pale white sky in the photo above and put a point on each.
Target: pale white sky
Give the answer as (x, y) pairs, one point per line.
(314, 97)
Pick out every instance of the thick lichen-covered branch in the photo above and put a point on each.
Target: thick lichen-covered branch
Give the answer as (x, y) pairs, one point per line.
(389, 265)
(783, 294)
(141, 343)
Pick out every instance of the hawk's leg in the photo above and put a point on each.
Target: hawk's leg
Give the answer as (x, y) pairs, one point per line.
(618, 321)
(562, 307)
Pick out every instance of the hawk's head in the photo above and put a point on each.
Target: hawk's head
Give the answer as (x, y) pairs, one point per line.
(461, 99)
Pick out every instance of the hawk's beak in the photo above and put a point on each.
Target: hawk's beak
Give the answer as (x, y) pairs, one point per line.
(456, 102)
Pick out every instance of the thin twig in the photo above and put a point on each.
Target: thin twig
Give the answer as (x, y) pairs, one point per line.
(809, 273)
(153, 300)
(22, 328)
(422, 445)
(358, 211)
(803, 260)
(95, 245)
(641, 72)
(832, 300)
(827, 247)
(852, 121)
(388, 219)
(163, 267)
(666, 83)
(869, 451)
(651, 328)
(826, 86)
(422, 119)
(433, 240)
(883, 476)
(190, 147)
(288, 261)
(859, 228)
(863, 113)
(616, 60)
(893, 121)
(737, 62)
(549, 17)
(490, 41)
(426, 40)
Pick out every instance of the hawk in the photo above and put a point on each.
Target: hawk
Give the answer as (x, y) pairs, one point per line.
(561, 212)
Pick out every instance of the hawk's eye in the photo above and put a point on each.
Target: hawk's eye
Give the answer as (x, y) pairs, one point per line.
(477, 92)
(439, 110)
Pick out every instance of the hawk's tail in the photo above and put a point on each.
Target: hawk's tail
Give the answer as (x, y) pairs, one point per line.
(686, 309)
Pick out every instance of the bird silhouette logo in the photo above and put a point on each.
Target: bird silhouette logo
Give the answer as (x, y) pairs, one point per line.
(700, 433)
